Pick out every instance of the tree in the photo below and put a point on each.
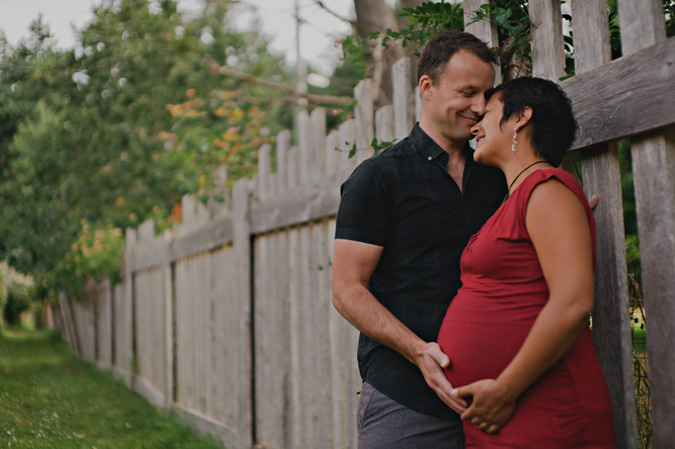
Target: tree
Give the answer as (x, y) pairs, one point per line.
(83, 141)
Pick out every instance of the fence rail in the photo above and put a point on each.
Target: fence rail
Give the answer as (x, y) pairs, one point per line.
(228, 318)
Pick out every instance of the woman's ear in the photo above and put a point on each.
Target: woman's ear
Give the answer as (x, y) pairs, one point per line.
(524, 117)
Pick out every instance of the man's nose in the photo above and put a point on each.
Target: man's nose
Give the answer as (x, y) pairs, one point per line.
(478, 105)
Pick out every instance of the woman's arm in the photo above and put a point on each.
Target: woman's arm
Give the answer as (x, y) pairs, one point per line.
(558, 226)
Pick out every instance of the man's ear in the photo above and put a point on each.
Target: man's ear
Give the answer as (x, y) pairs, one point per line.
(524, 117)
(425, 85)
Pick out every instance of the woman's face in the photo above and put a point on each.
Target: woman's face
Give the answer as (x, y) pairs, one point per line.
(492, 142)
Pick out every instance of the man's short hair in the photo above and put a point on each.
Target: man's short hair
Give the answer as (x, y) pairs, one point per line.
(440, 48)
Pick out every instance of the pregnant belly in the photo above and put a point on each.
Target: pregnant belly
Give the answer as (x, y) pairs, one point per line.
(478, 348)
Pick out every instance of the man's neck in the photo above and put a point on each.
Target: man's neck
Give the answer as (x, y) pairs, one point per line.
(455, 149)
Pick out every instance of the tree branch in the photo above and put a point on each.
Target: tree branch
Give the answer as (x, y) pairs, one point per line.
(320, 4)
(313, 98)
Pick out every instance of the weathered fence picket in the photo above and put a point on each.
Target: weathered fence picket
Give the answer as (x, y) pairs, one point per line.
(653, 157)
(601, 175)
(228, 320)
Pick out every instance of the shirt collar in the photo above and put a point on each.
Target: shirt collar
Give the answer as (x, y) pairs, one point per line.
(431, 151)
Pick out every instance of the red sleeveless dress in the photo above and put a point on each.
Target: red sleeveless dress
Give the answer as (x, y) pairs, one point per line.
(503, 291)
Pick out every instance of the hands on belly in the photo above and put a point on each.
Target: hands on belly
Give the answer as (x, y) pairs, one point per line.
(492, 405)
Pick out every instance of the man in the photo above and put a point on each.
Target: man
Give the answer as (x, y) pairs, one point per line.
(404, 219)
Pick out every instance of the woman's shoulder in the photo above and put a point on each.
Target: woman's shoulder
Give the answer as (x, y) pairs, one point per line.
(538, 180)
(547, 173)
(557, 197)
(547, 187)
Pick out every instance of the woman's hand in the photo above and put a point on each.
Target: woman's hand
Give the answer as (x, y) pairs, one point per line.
(492, 406)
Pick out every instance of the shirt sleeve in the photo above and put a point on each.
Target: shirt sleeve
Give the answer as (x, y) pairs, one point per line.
(363, 215)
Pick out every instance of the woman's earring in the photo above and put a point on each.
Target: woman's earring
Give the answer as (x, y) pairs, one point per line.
(514, 143)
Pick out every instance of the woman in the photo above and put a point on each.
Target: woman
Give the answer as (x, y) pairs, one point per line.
(517, 332)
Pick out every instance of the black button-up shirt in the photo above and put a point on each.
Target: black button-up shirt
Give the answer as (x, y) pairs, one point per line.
(404, 200)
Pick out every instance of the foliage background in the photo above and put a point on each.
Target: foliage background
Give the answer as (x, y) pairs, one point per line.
(96, 141)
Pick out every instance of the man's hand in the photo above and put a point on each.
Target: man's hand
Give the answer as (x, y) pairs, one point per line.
(593, 202)
(491, 408)
(431, 363)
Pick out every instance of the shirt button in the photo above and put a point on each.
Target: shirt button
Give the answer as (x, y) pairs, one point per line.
(429, 158)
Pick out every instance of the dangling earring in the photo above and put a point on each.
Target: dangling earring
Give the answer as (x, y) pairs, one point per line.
(514, 143)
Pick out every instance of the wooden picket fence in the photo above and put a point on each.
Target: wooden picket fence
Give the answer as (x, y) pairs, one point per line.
(227, 318)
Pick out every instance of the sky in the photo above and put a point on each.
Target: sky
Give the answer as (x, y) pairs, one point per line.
(319, 33)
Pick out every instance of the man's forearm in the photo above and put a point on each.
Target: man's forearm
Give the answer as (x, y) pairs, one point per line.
(369, 316)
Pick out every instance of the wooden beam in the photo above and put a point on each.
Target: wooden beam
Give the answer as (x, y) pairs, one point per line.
(299, 206)
(606, 99)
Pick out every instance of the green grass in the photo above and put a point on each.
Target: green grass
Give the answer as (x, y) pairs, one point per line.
(49, 399)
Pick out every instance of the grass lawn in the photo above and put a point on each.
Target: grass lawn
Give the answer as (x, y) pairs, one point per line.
(48, 399)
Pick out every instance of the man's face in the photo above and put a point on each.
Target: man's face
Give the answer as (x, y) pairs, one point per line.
(457, 101)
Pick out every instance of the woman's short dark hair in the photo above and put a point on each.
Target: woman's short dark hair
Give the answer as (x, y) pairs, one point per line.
(440, 48)
(553, 123)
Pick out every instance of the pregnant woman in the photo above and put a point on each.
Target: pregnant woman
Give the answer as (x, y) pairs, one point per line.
(517, 333)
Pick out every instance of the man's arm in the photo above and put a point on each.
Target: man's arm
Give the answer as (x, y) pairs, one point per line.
(353, 264)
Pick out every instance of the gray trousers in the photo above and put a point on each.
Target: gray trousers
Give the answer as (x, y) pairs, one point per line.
(383, 423)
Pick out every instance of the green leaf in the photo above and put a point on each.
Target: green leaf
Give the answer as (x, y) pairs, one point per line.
(352, 152)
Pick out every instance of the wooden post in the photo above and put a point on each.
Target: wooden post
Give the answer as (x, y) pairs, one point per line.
(292, 177)
(188, 212)
(384, 124)
(317, 142)
(653, 156)
(104, 330)
(322, 309)
(548, 55)
(331, 152)
(345, 142)
(128, 351)
(167, 308)
(309, 381)
(282, 271)
(242, 297)
(601, 175)
(68, 323)
(304, 161)
(295, 417)
(363, 118)
(283, 144)
(264, 154)
(485, 30)
(548, 50)
(402, 98)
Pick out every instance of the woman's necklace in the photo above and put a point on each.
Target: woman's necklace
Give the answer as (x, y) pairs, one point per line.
(523, 171)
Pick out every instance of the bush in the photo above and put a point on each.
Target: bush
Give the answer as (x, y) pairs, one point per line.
(19, 299)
